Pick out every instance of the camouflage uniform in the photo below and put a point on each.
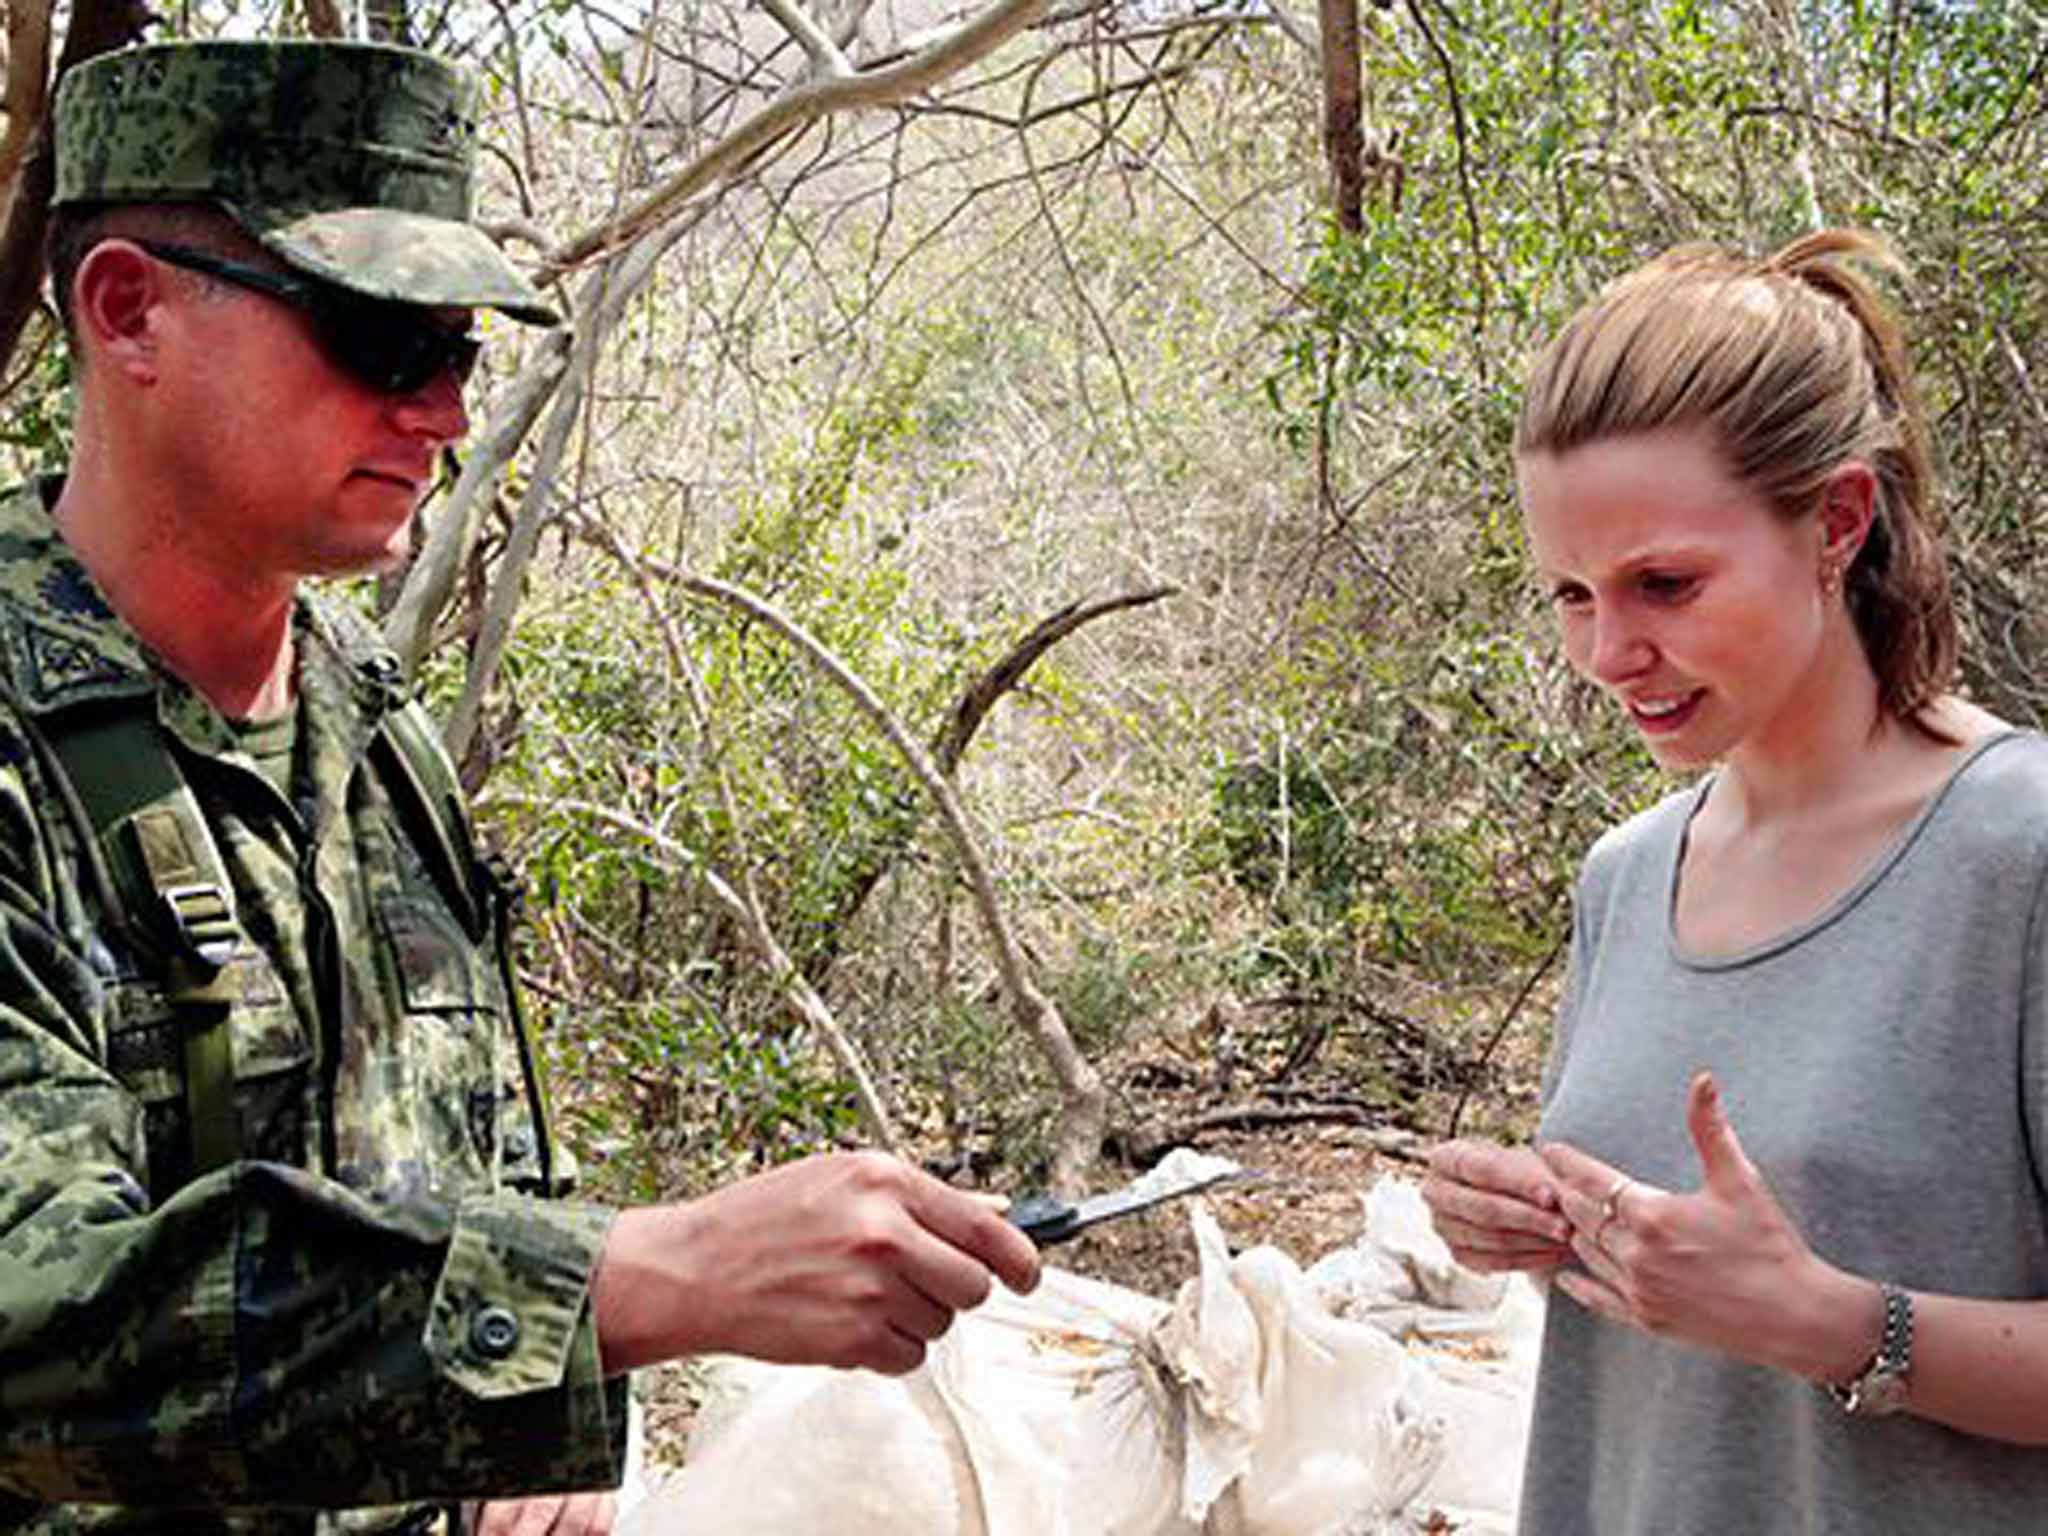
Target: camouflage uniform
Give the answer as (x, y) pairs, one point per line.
(365, 1309)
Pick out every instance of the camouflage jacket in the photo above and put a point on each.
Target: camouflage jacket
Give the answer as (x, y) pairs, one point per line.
(362, 1310)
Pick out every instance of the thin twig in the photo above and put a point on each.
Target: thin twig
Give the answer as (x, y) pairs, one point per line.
(1459, 128)
(802, 998)
(798, 110)
(1478, 1067)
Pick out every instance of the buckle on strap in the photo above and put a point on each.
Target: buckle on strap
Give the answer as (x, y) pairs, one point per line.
(202, 915)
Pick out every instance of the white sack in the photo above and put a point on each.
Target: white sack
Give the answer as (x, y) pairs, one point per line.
(1082, 1410)
(1475, 1337)
(1360, 1399)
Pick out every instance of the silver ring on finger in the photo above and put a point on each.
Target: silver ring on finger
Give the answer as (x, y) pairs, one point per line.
(1610, 1206)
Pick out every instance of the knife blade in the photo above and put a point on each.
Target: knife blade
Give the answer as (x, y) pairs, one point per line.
(1047, 1219)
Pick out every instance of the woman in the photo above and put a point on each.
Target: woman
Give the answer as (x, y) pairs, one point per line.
(1835, 944)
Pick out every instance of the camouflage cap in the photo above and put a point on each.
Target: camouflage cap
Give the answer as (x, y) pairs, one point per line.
(349, 161)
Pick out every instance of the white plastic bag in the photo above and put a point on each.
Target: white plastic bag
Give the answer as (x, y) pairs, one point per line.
(1244, 1409)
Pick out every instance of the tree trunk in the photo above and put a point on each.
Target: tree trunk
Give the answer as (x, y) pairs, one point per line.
(388, 22)
(1343, 113)
(97, 26)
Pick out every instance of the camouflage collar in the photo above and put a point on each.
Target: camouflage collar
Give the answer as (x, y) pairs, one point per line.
(61, 642)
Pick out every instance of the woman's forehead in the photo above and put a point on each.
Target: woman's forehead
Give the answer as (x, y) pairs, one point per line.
(1619, 500)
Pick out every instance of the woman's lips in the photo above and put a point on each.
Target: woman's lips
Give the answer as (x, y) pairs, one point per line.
(1661, 714)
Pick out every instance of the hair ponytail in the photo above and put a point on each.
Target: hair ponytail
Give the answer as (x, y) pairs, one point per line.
(1796, 364)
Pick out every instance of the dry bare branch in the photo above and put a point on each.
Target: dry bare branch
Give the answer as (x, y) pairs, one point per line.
(96, 26)
(1146, 1146)
(452, 532)
(535, 507)
(982, 694)
(951, 743)
(1343, 97)
(824, 54)
(324, 19)
(1083, 1099)
(799, 109)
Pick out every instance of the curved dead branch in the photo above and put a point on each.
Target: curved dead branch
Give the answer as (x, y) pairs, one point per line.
(982, 694)
(950, 746)
(1084, 1101)
(799, 109)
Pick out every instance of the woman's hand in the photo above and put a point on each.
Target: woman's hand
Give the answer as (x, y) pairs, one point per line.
(1722, 1268)
(1497, 1207)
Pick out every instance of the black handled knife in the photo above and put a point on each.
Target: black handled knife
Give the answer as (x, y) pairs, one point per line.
(1047, 1219)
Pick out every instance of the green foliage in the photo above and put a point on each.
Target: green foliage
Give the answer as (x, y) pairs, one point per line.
(1430, 826)
(933, 376)
(1287, 836)
(684, 1083)
(35, 426)
(1103, 989)
(1414, 785)
(674, 994)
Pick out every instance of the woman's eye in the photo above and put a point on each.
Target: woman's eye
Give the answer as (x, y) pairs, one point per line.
(1569, 594)
(1662, 587)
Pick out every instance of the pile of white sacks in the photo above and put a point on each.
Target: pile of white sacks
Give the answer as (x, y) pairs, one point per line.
(1383, 1392)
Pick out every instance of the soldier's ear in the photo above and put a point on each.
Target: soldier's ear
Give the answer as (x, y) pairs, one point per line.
(114, 299)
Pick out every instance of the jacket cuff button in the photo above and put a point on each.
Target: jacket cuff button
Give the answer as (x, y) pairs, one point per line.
(494, 1333)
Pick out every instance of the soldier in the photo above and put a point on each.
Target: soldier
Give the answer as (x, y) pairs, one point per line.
(276, 1248)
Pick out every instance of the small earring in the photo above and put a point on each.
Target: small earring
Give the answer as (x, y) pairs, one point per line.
(1830, 579)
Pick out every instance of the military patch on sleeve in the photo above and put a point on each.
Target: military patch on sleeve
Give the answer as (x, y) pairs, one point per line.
(58, 661)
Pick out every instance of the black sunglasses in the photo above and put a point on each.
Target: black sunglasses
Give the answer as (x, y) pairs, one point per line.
(393, 347)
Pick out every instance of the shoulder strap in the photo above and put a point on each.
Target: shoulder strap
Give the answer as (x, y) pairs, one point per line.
(409, 755)
(174, 892)
(174, 900)
(409, 758)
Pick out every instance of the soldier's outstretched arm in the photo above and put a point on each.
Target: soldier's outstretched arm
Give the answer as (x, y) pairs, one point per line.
(855, 1259)
(262, 1336)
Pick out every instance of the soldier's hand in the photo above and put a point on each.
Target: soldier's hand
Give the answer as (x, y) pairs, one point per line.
(852, 1260)
(569, 1514)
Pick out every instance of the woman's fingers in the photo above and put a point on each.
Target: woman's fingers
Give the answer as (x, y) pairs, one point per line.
(1495, 1207)
(1596, 1297)
(1515, 1172)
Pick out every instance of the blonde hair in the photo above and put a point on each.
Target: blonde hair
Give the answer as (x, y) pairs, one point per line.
(1796, 365)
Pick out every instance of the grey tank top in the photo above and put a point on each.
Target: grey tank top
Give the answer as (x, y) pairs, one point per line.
(1886, 1067)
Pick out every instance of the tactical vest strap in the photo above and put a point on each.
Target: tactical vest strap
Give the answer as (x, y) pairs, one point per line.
(198, 905)
(174, 900)
(155, 839)
(413, 765)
